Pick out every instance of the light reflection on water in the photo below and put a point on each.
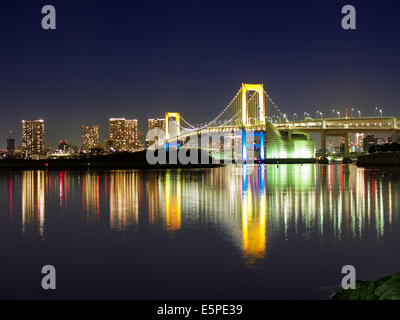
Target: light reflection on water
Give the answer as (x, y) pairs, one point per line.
(252, 205)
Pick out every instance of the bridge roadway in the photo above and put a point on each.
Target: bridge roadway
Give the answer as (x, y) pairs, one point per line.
(343, 127)
(324, 126)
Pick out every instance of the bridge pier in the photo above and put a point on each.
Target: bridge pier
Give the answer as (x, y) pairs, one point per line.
(323, 145)
(346, 154)
(253, 144)
(233, 146)
(244, 145)
(346, 145)
(262, 149)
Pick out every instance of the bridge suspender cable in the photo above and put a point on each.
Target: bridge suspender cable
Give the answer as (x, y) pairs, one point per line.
(274, 105)
(237, 105)
(193, 127)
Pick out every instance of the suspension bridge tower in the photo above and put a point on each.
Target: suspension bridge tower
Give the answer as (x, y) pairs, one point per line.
(259, 117)
(176, 117)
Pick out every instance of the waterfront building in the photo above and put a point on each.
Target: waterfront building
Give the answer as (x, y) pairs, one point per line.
(32, 137)
(153, 124)
(131, 135)
(123, 134)
(10, 144)
(359, 142)
(65, 148)
(140, 139)
(368, 141)
(90, 138)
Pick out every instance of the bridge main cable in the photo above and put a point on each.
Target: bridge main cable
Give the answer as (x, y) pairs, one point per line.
(216, 118)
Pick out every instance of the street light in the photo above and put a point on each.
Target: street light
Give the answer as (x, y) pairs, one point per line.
(295, 116)
(338, 113)
(380, 110)
(359, 113)
(333, 113)
(351, 114)
(320, 114)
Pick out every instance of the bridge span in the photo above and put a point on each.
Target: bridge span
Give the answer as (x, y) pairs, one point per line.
(253, 113)
(343, 127)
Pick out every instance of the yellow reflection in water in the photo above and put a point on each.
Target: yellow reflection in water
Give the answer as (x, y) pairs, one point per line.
(165, 198)
(90, 182)
(33, 202)
(331, 202)
(173, 202)
(124, 193)
(254, 218)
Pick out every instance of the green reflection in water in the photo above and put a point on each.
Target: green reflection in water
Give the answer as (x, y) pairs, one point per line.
(251, 205)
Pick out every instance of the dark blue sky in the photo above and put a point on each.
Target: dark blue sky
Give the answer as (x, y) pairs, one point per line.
(138, 59)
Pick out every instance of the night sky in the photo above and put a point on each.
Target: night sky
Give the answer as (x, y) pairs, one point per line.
(139, 59)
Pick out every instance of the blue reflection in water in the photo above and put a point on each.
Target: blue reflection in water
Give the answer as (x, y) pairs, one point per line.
(250, 204)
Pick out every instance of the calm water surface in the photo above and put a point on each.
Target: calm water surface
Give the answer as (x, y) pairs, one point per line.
(246, 232)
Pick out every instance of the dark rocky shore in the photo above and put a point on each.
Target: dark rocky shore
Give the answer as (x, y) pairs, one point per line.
(288, 161)
(386, 288)
(379, 159)
(123, 160)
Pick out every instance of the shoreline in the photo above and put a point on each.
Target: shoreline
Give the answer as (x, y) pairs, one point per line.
(79, 164)
(137, 160)
(111, 162)
(379, 159)
(115, 161)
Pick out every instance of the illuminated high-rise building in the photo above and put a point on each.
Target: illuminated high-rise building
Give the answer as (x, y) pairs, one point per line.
(153, 124)
(10, 143)
(117, 133)
(131, 134)
(140, 139)
(33, 137)
(90, 138)
(124, 134)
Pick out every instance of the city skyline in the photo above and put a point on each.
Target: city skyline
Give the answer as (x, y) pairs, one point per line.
(226, 150)
(124, 135)
(188, 57)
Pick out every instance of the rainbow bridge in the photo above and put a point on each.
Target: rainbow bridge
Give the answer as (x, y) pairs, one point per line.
(252, 121)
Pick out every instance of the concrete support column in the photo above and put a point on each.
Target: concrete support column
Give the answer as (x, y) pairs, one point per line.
(233, 145)
(346, 146)
(244, 145)
(262, 150)
(222, 148)
(199, 140)
(323, 144)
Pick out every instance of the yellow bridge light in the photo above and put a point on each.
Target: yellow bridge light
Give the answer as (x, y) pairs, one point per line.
(259, 88)
(177, 117)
